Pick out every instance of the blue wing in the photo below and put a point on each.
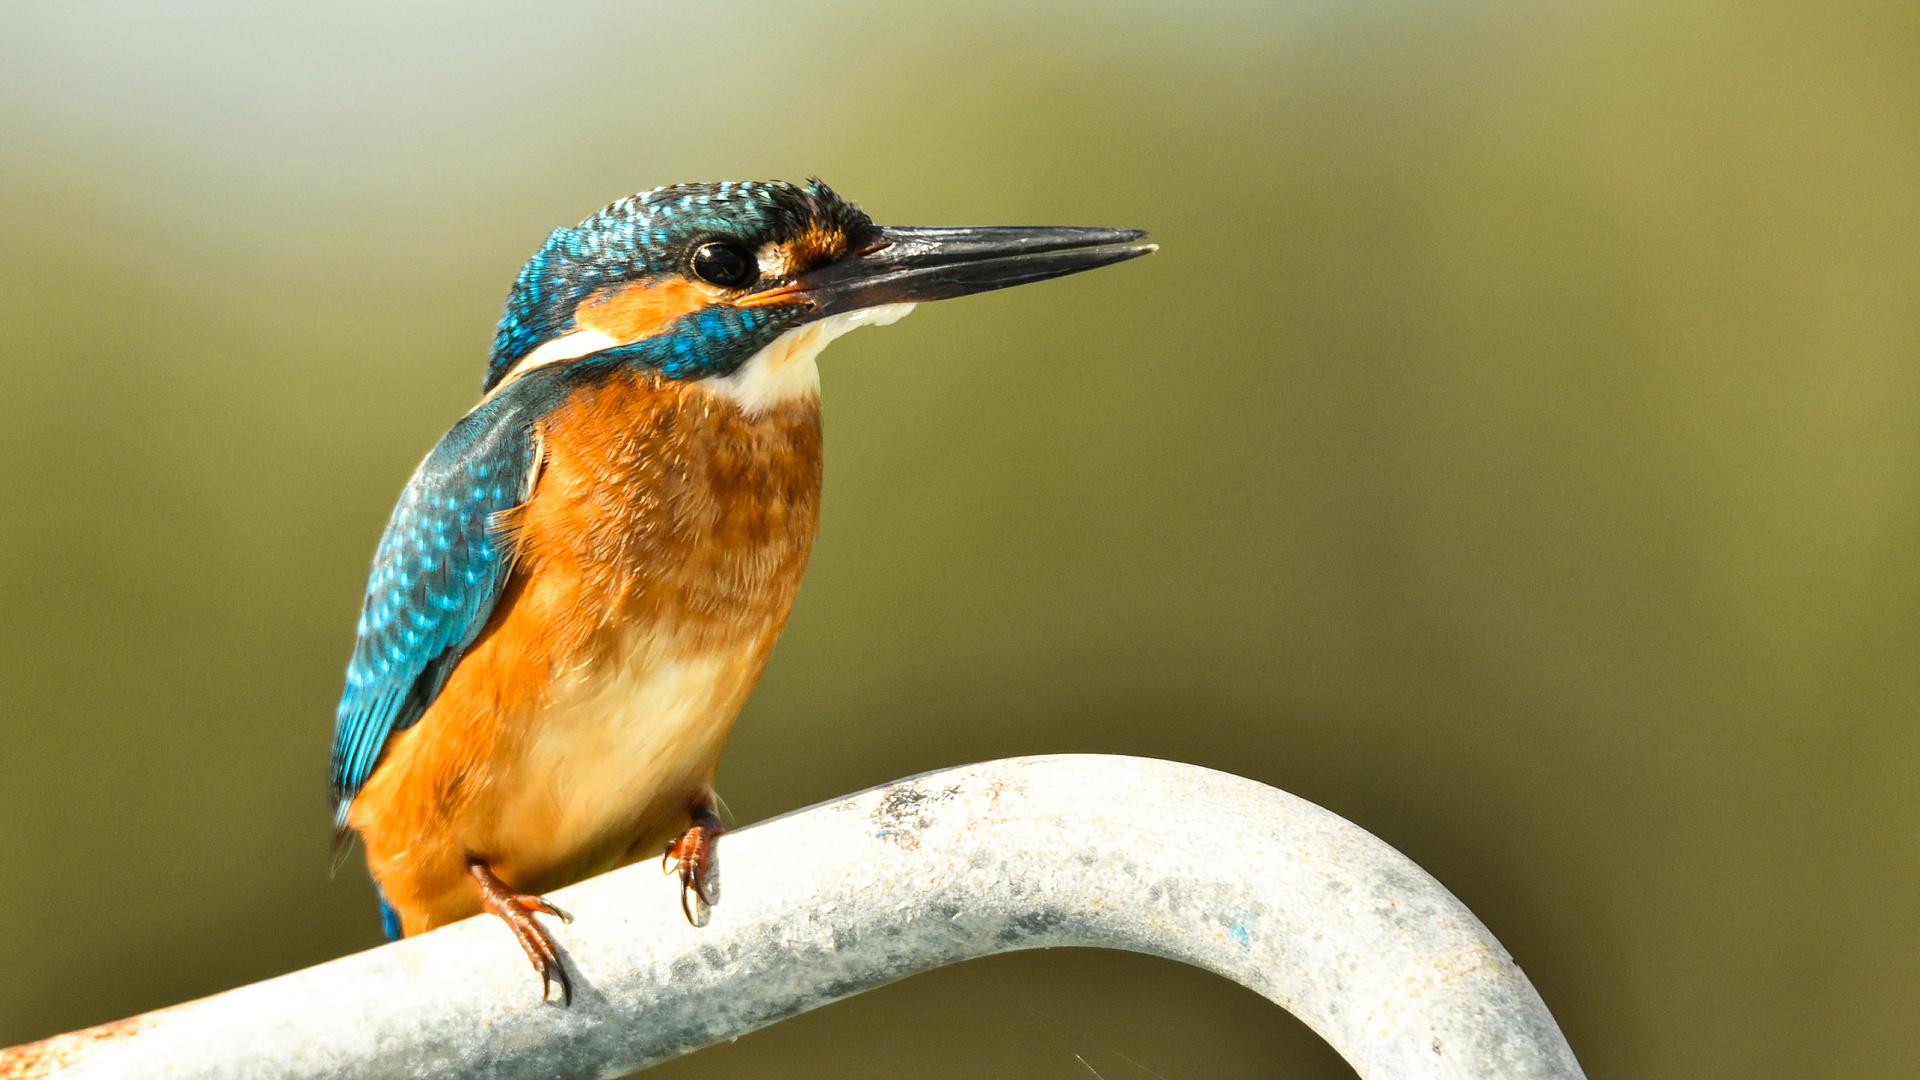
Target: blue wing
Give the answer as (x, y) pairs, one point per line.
(439, 570)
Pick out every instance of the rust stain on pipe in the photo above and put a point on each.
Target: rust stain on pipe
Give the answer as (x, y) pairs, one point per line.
(37, 1060)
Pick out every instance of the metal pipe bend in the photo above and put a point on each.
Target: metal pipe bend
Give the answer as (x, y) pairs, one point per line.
(1150, 856)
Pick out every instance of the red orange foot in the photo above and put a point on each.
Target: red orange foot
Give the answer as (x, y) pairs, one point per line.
(517, 911)
(696, 855)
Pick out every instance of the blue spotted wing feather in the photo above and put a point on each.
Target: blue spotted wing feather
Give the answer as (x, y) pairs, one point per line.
(437, 574)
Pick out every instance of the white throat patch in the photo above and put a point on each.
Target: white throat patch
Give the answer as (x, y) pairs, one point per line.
(785, 368)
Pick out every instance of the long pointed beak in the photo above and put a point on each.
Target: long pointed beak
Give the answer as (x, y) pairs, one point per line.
(908, 264)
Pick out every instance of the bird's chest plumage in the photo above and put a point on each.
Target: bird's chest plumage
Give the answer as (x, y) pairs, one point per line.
(659, 555)
(670, 506)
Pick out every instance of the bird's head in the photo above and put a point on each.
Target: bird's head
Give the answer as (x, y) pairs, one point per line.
(696, 280)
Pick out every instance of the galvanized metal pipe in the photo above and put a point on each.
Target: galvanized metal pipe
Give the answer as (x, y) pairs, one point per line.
(1124, 853)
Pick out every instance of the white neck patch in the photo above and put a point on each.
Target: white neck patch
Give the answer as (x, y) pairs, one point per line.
(785, 370)
(565, 347)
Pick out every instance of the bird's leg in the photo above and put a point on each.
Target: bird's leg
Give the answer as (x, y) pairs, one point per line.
(697, 856)
(516, 910)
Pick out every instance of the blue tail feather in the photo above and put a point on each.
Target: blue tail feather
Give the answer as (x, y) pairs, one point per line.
(389, 918)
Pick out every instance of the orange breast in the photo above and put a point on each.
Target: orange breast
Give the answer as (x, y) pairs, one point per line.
(659, 554)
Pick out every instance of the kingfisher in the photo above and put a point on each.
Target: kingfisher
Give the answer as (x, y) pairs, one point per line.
(582, 581)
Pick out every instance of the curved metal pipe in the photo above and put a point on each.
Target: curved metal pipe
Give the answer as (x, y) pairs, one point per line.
(1123, 853)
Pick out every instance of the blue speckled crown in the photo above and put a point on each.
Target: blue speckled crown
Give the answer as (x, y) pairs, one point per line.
(652, 234)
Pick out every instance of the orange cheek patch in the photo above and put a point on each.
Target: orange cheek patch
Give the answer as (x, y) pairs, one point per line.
(639, 309)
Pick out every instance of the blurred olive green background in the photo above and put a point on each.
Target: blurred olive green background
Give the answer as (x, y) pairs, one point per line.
(1515, 448)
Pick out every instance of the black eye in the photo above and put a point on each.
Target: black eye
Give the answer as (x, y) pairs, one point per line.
(724, 265)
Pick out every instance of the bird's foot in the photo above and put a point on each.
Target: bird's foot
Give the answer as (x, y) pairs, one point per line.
(517, 911)
(697, 857)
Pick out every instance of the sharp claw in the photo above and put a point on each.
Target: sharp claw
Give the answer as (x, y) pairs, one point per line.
(517, 910)
(694, 907)
(693, 855)
(544, 906)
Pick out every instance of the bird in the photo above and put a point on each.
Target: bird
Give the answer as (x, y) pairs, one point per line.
(580, 584)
